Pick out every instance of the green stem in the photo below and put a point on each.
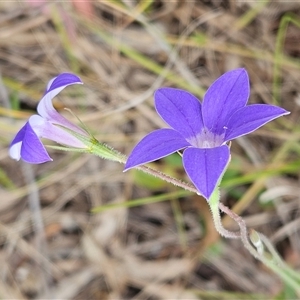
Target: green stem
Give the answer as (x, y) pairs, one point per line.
(214, 201)
(281, 270)
(102, 150)
(105, 151)
(278, 259)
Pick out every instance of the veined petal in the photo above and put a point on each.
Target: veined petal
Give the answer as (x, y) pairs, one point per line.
(27, 145)
(180, 109)
(226, 95)
(45, 107)
(46, 129)
(250, 118)
(205, 167)
(155, 145)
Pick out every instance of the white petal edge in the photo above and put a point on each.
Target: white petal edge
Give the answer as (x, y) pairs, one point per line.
(15, 151)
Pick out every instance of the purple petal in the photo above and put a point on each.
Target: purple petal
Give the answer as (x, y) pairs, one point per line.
(16, 144)
(61, 81)
(226, 95)
(250, 118)
(155, 145)
(45, 107)
(47, 130)
(205, 167)
(180, 109)
(27, 145)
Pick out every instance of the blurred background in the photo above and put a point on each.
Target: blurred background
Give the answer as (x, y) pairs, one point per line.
(52, 246)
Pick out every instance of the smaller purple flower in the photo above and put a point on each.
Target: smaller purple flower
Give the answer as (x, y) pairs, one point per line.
(203, 130)
(27, 144)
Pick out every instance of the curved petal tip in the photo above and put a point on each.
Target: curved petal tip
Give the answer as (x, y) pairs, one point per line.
(62, 80)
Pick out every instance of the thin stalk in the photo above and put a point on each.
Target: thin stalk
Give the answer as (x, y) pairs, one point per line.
(214, 207)
(106, 152)
(281, 272)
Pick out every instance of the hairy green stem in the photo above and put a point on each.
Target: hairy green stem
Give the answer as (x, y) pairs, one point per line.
(214, 202)
(282, 270)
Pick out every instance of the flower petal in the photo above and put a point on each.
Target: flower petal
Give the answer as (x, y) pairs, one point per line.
(155, 145)
(58, 83)
(226, 95)
(250, 118)
(27, 145)
(45, 107)
(180, 109)
(15, 150)
(16, 144)
(47, 130)
(205, 167)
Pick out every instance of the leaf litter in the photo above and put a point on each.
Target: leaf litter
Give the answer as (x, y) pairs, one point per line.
(138, 252)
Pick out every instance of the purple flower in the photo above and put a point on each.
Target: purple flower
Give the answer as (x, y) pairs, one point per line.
(27, 144)
(203, 130)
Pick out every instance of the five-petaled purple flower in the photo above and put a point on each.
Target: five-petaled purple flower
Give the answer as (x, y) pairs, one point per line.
(203, 130)
(27, 145)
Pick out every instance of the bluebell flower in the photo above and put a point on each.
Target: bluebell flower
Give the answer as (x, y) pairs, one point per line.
(203, 130)
(48, 124)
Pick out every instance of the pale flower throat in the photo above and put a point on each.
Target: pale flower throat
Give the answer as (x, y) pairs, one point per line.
(206, 139)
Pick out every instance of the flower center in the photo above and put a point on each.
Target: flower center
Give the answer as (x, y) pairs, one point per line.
(206, 139)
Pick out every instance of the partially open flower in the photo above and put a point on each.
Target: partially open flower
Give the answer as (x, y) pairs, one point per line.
(204, 130)
(27, 144)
